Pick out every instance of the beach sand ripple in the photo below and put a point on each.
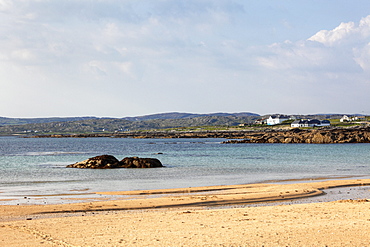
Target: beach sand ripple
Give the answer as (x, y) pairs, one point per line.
(177, 218)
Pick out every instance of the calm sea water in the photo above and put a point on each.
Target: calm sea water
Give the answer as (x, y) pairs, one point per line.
(33, 170)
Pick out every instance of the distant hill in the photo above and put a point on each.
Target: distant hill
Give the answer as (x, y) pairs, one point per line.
(171, 115)
(18, 121)
(179, 115)
(116, 125)
(73, 125)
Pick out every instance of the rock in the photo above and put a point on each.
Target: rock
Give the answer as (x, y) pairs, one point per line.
(273, 140)
(98, 162)
(110, 162)
(296, 130)
(136, 162)
(319, 136)
(288, 140)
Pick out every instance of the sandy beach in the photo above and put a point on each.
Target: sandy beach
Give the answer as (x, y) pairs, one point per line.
(188, 217)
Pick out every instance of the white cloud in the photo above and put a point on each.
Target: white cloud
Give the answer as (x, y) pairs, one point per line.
(341, 50)
(362, 56)
(345, 34)
(97, 68)
(6, 5)
(126, 68)
(23, 55)
(336, 35)
(330, 70)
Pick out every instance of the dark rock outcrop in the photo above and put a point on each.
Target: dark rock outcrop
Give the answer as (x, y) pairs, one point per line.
(136, 162)
(319, 136)
(359, 134)
(98, 162)
(110, 162)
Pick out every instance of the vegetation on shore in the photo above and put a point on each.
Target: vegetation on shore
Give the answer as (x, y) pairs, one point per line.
(120, 126)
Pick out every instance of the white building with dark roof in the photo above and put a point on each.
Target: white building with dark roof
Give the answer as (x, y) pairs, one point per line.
(276, 119)
(350, 118)
(310, 123)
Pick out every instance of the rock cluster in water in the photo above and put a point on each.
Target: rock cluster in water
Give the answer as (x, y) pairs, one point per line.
(110, 162)
(348, 135)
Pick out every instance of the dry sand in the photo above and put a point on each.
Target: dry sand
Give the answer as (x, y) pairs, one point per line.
(178, 217)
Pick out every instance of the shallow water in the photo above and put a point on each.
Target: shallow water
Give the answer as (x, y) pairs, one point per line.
(35, 167)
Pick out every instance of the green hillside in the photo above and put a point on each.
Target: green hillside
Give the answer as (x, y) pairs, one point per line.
(117, 125)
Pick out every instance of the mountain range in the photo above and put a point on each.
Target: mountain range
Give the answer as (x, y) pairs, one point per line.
(22, 126)
(169, 115)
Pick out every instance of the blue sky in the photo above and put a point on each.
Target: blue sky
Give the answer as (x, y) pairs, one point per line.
(126, 58)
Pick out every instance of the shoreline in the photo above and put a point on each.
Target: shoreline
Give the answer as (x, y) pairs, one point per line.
(89, 195)
(192, 197)
(291, 135)
(179, 217)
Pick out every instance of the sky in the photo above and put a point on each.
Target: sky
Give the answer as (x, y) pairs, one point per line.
(118, 58)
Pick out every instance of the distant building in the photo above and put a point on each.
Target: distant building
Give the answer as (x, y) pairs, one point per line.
(261, 121)
(276, 119)
(325, 123)
(346, 118)
(310, 123)
(350, 118)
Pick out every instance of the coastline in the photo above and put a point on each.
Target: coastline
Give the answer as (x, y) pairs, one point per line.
(142, 213)
(320, 135)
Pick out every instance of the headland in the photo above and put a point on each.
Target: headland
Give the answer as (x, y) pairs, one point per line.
(292, 135)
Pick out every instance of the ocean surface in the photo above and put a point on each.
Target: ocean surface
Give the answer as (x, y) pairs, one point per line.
(32, 170)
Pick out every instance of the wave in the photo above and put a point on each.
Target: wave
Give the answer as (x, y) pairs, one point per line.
(54, 165)
(30, 182)
(49, 153)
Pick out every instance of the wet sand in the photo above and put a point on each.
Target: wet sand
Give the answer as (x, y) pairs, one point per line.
(186, 217)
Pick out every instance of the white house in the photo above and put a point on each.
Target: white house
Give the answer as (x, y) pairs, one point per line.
(298, 123)
(309, 123)
(276, 119)
(261, 121)
(346, 118)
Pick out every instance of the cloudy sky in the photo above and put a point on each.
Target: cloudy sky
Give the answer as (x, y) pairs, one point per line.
(134, 57)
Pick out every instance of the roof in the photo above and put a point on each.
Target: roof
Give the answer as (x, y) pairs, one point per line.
(279, 116)
(310, 121)
(314, 121)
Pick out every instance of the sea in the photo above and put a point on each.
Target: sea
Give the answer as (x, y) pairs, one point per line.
(33, 170)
